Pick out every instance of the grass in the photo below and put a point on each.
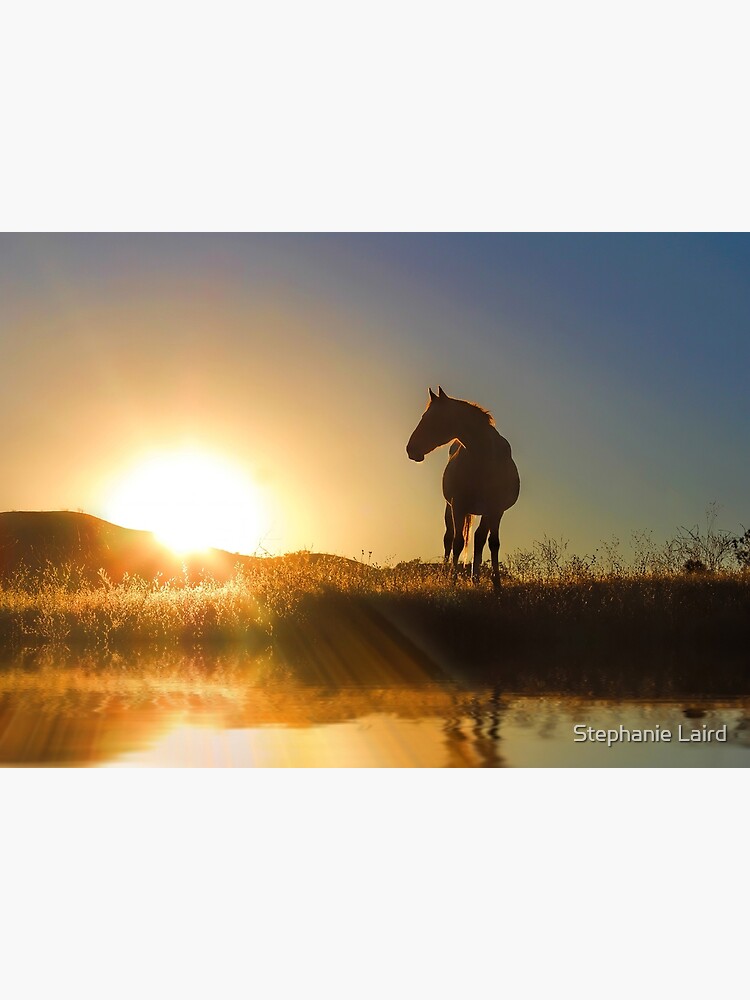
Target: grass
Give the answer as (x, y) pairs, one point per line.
(59, 608)
(546, 601)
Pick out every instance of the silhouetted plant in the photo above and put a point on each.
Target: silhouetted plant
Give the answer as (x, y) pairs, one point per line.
(741, 549)
(613, 558)
(694, 566)
(711, 546)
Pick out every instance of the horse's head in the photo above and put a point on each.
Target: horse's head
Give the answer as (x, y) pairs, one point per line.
(434, 429)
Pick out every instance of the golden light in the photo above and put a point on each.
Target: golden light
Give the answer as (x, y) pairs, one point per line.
(191, 500)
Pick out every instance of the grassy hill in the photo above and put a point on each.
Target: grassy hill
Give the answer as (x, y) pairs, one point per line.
(335, 621)
(32, 541)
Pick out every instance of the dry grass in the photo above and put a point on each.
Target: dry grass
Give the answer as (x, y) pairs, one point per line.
(546, 598)
(57, 608)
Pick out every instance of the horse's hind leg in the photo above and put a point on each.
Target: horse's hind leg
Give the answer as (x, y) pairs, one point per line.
(449, 532)
(480, 537)
(462, 524)
(494, 543)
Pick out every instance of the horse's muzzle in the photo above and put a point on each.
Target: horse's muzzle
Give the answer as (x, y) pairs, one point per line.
(415, 456)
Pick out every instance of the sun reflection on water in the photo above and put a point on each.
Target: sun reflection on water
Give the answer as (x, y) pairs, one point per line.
(373, 741)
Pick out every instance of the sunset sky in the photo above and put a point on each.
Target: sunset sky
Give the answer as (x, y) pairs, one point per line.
(617, 367)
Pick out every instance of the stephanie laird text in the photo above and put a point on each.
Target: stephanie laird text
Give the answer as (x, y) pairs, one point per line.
(589, 734)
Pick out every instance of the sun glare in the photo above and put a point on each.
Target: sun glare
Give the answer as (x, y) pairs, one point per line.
(191, 500)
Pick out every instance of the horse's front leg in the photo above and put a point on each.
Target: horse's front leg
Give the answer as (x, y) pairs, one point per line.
(450, 532)
(462, 522)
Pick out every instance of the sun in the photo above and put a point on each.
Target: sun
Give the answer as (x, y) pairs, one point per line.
(191, 500)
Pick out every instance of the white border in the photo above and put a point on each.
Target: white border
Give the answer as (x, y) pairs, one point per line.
(179, 117)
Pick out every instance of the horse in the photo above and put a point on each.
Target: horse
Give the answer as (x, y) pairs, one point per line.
(480, 477)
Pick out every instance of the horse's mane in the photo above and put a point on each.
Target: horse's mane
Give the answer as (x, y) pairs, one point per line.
(479, 411)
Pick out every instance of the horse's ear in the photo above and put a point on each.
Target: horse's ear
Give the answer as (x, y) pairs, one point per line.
(441, 394)
(433, 397)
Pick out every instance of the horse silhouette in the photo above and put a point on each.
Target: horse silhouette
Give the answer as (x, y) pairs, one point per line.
(480, 477)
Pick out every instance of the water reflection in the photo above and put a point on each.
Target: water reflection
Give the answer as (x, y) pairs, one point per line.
(244, 711)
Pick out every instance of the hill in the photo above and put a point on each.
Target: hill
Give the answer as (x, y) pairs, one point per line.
(36, 540)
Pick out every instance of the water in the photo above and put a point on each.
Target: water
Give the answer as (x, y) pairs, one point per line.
(533, 733)
(241, 712)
